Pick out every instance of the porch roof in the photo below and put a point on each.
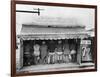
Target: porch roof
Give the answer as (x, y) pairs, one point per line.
(30, 32)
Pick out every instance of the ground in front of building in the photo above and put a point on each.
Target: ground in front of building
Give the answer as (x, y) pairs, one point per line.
(56, 67)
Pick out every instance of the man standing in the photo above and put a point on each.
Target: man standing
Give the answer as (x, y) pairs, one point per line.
(43, 50)
(36, 53)
(27, 55)
(66, 51)
(73, 52)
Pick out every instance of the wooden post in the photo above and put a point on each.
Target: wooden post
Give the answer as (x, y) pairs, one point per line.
(79, 52)
(21, 53)
(18, 54)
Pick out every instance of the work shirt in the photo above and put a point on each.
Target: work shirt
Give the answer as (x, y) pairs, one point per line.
(59, 48)
(43, 50)
(36, 50)
(27, 50)
(66, 49)
(51, 47)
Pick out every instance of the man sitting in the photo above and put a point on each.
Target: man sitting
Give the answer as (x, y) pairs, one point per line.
(51, 52)
(59, 52)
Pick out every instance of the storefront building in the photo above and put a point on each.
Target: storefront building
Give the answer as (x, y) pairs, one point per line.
(73, 39)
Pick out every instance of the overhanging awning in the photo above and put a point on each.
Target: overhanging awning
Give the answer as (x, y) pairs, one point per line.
(53, 36)
(48, 33)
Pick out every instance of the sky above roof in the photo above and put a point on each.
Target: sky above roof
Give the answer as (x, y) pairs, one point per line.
(61, 16)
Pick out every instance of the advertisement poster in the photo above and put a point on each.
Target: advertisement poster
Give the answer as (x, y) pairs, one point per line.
(86, 50)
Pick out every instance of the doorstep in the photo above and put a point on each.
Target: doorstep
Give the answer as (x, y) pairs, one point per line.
(86, 64)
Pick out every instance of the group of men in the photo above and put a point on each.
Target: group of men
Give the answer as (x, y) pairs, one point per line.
(51, 53)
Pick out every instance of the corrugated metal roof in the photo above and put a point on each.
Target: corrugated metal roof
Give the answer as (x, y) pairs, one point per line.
(34, 29)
